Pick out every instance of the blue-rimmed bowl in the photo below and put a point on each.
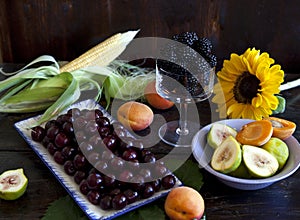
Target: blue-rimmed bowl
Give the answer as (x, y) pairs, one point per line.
(203, 153)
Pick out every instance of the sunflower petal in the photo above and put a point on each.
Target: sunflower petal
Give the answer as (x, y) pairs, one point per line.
(272, 100)
(235, 110)
(257, 101)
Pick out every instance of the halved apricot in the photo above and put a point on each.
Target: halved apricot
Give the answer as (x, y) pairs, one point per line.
(282, 128)
(255, 133)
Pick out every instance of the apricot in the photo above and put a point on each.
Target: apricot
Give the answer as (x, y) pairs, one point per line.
(154, 99)
(282, 128)
(255, 133)
(135, 115)
(184, 203)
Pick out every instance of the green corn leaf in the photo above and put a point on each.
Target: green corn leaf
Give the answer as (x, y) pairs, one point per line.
(31, 100)
(10, 82)
(70, 95)
(96, 73)
(119, 80)
(43, 58)
(60, 80)
(15, 90)
(28, 74)
(86, 84)
(113, 84)
(35, 95)
(25, 107)
(133, 87)
(109, 80)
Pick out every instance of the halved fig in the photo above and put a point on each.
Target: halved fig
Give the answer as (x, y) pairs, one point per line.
(13, 184)
(228, 156)
(218, 133)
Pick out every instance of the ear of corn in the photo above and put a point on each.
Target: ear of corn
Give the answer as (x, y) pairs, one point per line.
(54, 89)
(103, 53)
(60, 80)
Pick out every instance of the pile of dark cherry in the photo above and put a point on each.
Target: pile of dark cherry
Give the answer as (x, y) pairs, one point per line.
(102, 158)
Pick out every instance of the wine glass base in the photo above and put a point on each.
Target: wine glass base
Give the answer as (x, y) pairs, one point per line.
(168, 134)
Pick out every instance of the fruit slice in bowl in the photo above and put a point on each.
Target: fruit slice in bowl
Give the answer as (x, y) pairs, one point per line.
(259, 161)
(203, 154)
(218, 133)
(228, 156)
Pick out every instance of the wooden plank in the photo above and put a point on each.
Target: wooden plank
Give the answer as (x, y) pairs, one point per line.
(43, 188)
(66, 29)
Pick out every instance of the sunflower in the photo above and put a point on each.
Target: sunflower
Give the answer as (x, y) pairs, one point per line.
(247, 85)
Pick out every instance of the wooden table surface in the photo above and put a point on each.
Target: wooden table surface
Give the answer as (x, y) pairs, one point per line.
(278, 201)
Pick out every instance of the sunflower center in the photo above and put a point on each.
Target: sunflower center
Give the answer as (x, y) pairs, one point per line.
(246, 88)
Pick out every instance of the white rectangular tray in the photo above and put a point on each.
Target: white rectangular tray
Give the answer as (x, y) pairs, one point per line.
(92, 211)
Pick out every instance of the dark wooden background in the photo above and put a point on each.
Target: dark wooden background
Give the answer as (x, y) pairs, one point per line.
(67, 28)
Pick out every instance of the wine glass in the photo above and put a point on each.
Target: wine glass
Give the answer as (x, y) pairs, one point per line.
(185, 78)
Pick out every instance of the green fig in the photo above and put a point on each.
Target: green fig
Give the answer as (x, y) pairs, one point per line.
(218, 133)
(228, 156)
(278, 149)
(259, 162)
(241, 172)
(13, 184)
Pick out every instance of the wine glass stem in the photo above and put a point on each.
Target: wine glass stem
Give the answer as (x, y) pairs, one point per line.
(182, 128)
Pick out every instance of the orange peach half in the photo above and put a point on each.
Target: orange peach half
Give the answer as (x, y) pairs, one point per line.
(135, 115)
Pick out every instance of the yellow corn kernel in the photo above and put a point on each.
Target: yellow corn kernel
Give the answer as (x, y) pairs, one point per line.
(103, 53)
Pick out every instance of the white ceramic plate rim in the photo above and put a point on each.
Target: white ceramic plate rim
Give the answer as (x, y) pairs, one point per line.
(199, 141)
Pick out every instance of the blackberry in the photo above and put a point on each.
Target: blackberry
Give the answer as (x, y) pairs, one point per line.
(185, 57)
(203, 46)
(211, 59)
(187, 38)
(183, 76)
(192, 85)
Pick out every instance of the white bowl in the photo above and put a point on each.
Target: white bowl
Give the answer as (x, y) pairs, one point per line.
(203, 153)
